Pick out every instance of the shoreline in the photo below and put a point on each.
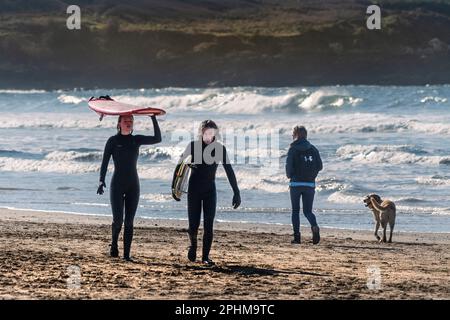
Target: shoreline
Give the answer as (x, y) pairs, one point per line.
(50, 216)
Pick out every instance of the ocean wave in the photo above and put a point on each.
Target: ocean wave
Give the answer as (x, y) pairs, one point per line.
(325, 124)
(16, 91)
(152, 154)
(393, 154)
(161, 153)
(26, 165)
(423, 210)
(324, 99)
(60, 162)
(52, 121)
(20, 154)
(436, 180)
(343, 198)
(330, 185)
(409, 200)
(74, 156)
(215, 101)
(68, 99)
(417, 205)
(90, 204)
(433, 99)
(157, 197)
(246, 100)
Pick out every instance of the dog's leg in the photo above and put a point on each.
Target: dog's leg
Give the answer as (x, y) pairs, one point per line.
(391, 227)
(384, 226)
(377, 226)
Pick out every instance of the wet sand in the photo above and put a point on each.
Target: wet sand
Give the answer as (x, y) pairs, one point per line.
(61, 256)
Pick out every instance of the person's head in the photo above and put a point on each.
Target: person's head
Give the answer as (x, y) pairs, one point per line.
(299, 132)
(208, 131)
(125, 124)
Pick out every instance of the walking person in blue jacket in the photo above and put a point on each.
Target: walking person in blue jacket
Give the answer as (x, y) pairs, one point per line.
(302, 166)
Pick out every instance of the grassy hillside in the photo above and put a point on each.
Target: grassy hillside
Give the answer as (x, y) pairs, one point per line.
(217, 43)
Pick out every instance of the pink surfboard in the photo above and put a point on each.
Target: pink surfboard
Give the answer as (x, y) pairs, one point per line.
(107, 106)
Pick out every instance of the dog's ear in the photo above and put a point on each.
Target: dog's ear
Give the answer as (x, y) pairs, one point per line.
(376, 197)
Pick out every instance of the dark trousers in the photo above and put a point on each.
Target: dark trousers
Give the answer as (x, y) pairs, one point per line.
(307, 196)
(196, 202)
(124, 196)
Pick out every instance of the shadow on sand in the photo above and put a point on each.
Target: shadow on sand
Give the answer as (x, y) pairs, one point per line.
(247, 270)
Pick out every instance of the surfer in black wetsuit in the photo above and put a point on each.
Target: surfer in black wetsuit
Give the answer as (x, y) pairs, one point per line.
(206, 153)
(124, 191)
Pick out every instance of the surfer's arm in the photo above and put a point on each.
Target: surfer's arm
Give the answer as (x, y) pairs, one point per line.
(236, 202)
(230, 172)
(141, 139)
(290, 163)
(105, 161)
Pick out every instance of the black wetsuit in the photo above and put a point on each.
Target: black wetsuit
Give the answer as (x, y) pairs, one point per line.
(124, 191)
(202, 191)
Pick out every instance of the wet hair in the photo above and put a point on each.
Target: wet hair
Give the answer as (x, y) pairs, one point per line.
(207, 124)
(118, 122)
(300, 132)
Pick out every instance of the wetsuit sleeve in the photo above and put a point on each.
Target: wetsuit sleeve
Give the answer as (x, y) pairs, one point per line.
(290, 163)
(319, 160)
(230, 172)
(141, 139)
(106, 156)
(184, 155)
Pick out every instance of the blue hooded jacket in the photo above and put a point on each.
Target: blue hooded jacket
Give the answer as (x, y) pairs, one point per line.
(303, 163)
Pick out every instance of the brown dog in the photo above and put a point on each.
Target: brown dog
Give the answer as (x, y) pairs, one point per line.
(384, 214)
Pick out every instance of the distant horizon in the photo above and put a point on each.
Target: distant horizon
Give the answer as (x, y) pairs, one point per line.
(42, 90)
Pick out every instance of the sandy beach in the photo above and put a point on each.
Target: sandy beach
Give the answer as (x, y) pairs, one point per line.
(50, 255)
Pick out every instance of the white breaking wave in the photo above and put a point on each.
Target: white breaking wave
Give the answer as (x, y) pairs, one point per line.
(214, 101)
(423, 210)
(157, 197)
(90, 204)
(74, 156)
(63, 98)
(387, 154)
(51, 120)
(61, 163)
(15, 91)
(430, 127)
(245, 101)
(25, 165)
(433, 99)
(340, 197)
(323, 98)
(264, 179)
(162, 153)
(434, 181)
(323, 124)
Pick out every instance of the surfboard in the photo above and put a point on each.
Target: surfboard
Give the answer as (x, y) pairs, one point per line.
(106, 106)
(182, 178)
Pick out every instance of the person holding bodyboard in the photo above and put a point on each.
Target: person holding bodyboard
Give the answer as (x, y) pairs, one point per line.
(206, 153)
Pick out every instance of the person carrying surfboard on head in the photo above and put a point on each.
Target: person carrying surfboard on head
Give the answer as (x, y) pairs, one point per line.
(124, 188)
(206, 153)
